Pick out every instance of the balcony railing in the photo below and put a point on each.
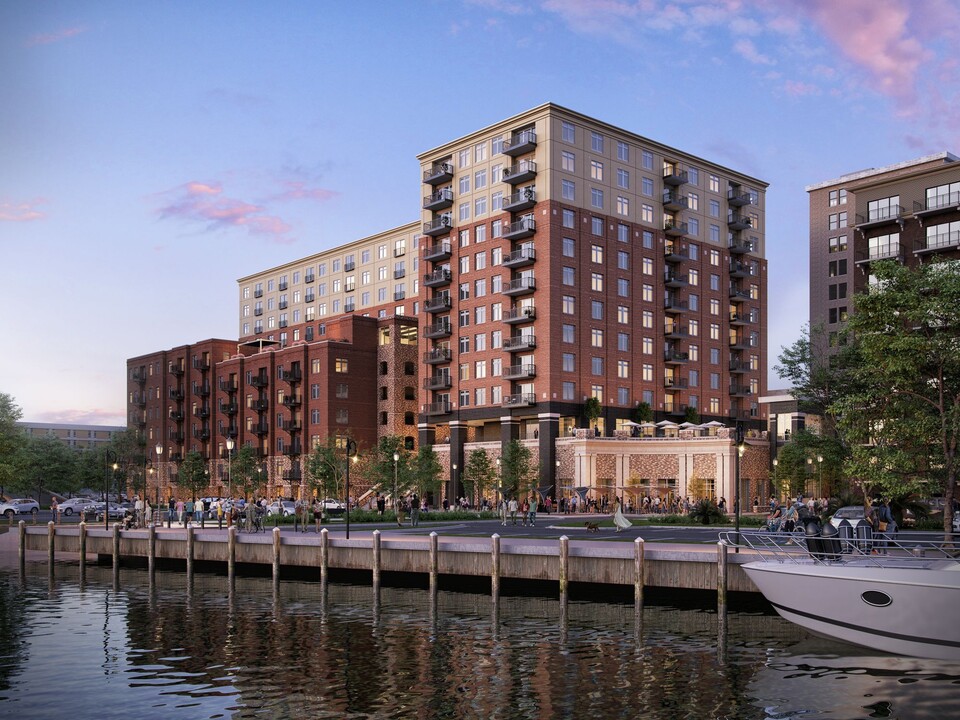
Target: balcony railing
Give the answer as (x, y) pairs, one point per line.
(519, 258)
(261, 406)
(259, 381)
(520, 286)
(673, 175)
(519, 143)
(674, 201)
(291, 376)
(736, 221)
(438, 330)
(672, 253)
(440, 303)
(520, 314)
(437, 278)
(520, 372)
(437, 408)
(440, 225)
(739, 246)
(879, 216)
(439, 173)
(521, 172)
(437, 382)
(437, 356)
(675, 229)
(228, 386)
(439, 200)
(941, 241)
(519, 400)
(519, 343)
(674, 357)
(739, 198)
(520, 200)
(437, 252)
(292, 401)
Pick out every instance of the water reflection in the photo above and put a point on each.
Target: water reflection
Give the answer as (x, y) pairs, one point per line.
(176, 649)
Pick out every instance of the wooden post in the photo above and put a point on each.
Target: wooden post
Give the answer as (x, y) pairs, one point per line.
(22, 547)
(116, 551)
(434, 562)
(324, 555)
(276, 556)
(564, 568)
(638, 579)
(152, 550)
(189, 553)
(495, 567)
(51, 543)
(231, 556)
(721, 578)
(376, 559)
(83, 550)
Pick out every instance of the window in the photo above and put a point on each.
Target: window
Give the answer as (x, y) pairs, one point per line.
(596, 142)
(480, 206)
(567, 247)
(596, 253)
(569, 391)
(714, 183)
(646, 159)
(884, 208)
(343, 391)
(623, 178)
(838, 221)
(647, 292)
(480, 152)
(568, 305)
(569, 333)
(838, 197)
(341, 365)
(596, 310)
(623, 287)
(596, 170)
(646, 186)
(623, 152)
(568, 275)
(623, 342)
(623, 205)
(464, 158)
(567, 132)
(596, 366)
(623, 233)
(646, 213)
(647, 266)
(568, 363)
(838, 244)
(596, 198)
(646, 372)
(596, 226)
(596, 282)
(623, 314)
(623, 259)
(568, 218)
(568, 191)
(647, 319)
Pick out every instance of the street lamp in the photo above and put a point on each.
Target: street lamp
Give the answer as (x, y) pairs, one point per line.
(159, 451)
(106, 489)
(774, 484)
(454, 488)
(351, 454)
(499, 484)
(230, 445)
(396, 462)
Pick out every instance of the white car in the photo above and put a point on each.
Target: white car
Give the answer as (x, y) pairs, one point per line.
(288, 508)
(76, 505)
(20, 506)
(333, 506)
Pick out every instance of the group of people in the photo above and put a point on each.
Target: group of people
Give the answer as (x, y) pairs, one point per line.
(527, 509)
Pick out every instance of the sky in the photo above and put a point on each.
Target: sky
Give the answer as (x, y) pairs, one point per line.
(153, 153)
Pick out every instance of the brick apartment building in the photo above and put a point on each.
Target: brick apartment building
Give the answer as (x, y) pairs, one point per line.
(556, 258)
(908, 212)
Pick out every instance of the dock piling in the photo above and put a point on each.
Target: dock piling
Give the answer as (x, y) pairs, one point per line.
(276, 556)
(495, 567)
(51, 543)
(434, 563)
(375, 546)
(232, 556)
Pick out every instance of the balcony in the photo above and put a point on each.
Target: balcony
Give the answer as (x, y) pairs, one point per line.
(176, 393)
(739, 246)
(438, 330)
(738, 294)
(881, 216)
(520, 286)
(258, 311)
(397, 274)
(740, 269)
(439, 200)
(738, 367)
(176, 416)
(231, 431)
(739, 342)
(672, 356)
(437, 382)
(740, 319)
(201, 434)
(887, 251)
(201, 364)
(675, 280)
(202, 412)
(437, 356)
(520, 200)
(523, 228)
(400, 295)
(177, 437)
(139, 399)
(437, 408)
(294, 475)
(291, 425)
(440, 225)
(293, 450)
(520, 143)
(521, 172)
(736, 221)
(309, 297)
(139, 375)
(230, 408)
(283, 305)
(673, 175)
(259, 381)
(676, 332)
(292, 401)
(437, 252)
(228, 386)
(309, 277)
(440, 303)
(520, 372)
(739, 198)
(438, 278)
(261, 406)
(675, 229)
(940, 241)
(176, 369)
(675, 383)
(737, 390)
(519, 258)
(282, 324)
(672, 253)
(349, 266)
(282, 285)
(675, 408)
(438, 174)
(948, 202)
(261, 429)
(519, 400)
(674, 201)
(201, 389)
(674, 305)
(291, 376)
(258, 293)
(520, 343)
(520, 314)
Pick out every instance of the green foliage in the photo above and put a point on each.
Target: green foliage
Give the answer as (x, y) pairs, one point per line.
(246, 472)
(326, 468)
(706, 512)
(192, 475)
(479, 475)
(691, 415)
(592, 409)
(379, 466)
(43, 463)
(517, 473)
(643, 413)
(11, 438)
(426, 470)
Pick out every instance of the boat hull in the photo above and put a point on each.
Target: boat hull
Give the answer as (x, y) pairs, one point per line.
(900, 610)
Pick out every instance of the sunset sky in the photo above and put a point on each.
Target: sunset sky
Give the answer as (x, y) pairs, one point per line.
(152, 153)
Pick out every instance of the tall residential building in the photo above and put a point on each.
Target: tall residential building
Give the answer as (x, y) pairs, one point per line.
(566, 258)
(557, 258)
(907, 212)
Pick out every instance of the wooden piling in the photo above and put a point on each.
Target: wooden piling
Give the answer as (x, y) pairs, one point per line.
(22, 547)
(324, 556)
(116, 550)
(434, 562)
(152, 550)
(276, 556)
(495, 567)
(190, 539)
(375, 546)
(232, 556)
(564, 567)
(638, 579)
(721, 578)
(83, 550)
(51, 543)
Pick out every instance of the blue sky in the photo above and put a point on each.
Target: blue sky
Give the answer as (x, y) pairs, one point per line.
(153, 153)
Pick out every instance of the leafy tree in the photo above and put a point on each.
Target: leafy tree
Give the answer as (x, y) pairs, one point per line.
(426, 470)
(193, 476)
(643, 413)
(479, 474)
(246, 472)
(326, 469)
(380, 467)
(907, 403)
(592, 410)
(130, 447)
(43, 462)
(692, 415)
(517, 473)
(11, 438)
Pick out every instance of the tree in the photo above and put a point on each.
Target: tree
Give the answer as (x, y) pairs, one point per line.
(193, 476)
(326, 467)
(43, 462)
(381, 471)
(11, 437)
(692, 415)
(592, 410)
(907, 402)
(517, 474)
(247, 472)
(643, 413)
(130, 448)
(426, 470)
(479, 474)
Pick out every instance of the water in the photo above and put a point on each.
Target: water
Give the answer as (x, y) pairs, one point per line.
(169, 650)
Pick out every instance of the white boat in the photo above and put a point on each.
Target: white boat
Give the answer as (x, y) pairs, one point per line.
(903, 602)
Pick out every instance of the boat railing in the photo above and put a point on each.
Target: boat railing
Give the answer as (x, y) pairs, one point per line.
(874, 549)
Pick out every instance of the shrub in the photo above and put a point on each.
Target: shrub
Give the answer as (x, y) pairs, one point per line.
(706, 512)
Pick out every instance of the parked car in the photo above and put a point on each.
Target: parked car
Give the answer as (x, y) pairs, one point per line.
(114, 511)
(334, 507)
(853, 514)
(76, 505)
(284, 507)
(21, 506)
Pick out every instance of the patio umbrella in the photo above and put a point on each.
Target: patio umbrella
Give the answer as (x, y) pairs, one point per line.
(666, 424)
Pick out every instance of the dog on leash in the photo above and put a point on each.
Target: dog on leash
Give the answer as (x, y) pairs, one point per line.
(592, 527)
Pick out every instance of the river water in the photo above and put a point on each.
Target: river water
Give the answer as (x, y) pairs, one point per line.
(177, 650)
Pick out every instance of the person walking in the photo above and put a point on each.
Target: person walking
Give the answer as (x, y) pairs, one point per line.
(533, 510)
(179, 507)
(317, 514)
(55, 510)
(512, 506)
(524, 511)
(414, 510)
(381, 505)
(187, 515)
(619, 519)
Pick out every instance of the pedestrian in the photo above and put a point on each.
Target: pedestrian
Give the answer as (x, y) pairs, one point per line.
(512, 506)
(198, 510)
(524, 511)
(399, 508)
(503, 512)
(218, 509)
(147, 513)
(414, 510)
(381, 505)
(55, 510)
(317, 514)
(179, 507)
(187, 514)
(533, 510)
(138, 509)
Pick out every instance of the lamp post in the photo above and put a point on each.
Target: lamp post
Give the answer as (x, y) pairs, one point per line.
(106, 487)
(230, 445)
(499, 485)
(396, 464)
(454, 466)
(739, 447)
(819, 477)
(351, 454)
(159, 451)
(774, 483)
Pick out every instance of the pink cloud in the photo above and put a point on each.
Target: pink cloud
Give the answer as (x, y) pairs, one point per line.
(50, 38)
(206, 203)
(21, 212)
(81, 417)
(296, 190)
(747, 50)
(795, 88)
